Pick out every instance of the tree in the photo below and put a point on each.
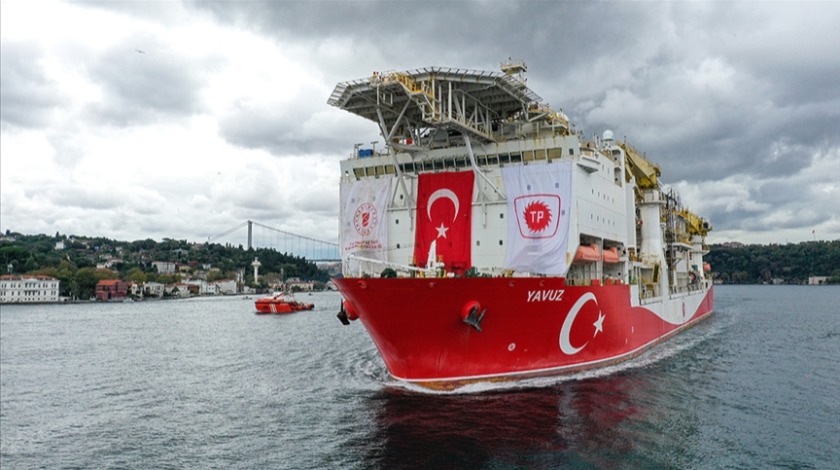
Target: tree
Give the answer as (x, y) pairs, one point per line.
(216, 275)
(30, 264)
(136, 275)
(85, 283)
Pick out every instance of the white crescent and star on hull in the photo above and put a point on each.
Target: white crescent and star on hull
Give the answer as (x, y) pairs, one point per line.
(565, 344)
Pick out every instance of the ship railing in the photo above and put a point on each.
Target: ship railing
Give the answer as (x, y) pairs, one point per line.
(681, 290)
(398, 267)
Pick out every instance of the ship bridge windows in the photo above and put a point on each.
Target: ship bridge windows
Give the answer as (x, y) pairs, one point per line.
(449, 163)
(407, 167)
(374, 171)
(510, 158)
(455, 162)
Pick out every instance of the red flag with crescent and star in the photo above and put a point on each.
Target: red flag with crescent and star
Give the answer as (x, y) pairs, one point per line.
(444, 216)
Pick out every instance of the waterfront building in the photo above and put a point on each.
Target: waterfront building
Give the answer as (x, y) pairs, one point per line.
(203, 287)
(226, 286)
(16, 289)
(153, 289)
(111, 289)
(296, 284)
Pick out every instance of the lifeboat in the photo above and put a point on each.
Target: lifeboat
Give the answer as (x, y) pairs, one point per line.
(281, 302)
(611, 255)
(588, 253)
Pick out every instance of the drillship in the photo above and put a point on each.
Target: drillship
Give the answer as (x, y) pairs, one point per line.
(489, 240)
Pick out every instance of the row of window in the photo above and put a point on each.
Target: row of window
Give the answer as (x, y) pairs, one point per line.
(28, 285)
(26, 293)
(451, 163)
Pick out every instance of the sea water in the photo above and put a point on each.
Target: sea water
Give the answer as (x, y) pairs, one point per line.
(207, 383)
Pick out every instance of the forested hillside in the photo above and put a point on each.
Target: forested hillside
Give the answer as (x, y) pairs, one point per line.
(791, 263)
(73, 260)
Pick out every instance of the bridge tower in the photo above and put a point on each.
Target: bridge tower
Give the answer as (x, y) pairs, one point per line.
(250, 238)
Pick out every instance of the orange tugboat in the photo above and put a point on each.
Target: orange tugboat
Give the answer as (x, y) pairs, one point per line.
(281, 302)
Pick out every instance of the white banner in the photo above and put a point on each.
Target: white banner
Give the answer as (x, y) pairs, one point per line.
(539, 202)
(363, 230)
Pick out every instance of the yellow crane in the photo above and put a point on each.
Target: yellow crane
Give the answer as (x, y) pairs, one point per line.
(646, 172)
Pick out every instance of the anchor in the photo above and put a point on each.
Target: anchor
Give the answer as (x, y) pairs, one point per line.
(473, 318)
(342, 315)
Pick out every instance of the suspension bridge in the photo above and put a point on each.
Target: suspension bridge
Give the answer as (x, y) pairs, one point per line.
(255, 235)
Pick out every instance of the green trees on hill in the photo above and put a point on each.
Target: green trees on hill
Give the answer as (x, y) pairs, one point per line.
(73, 261)
(790, 263)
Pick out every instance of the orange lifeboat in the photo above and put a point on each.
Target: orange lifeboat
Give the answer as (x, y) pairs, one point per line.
(588, 253)
(611, 255)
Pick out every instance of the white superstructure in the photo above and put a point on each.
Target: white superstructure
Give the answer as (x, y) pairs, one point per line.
(625, 226)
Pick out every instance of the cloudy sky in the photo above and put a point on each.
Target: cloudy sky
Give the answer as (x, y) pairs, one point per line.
(134, 120)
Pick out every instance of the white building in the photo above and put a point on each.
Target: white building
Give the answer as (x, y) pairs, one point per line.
(164, 267)
(181, 290)
(28, 289)
(135, 289)
(153, 289)
(204, 287)
(226, 286)
(294, 283)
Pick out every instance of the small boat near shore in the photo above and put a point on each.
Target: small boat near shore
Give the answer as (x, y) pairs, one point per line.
(281, 302)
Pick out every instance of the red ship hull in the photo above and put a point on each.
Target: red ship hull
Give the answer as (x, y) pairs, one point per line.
(530, 326)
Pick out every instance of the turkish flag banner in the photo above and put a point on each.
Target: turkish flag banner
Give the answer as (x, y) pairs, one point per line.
(444, 219)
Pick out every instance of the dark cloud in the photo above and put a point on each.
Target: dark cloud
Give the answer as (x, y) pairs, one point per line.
(705, 91)
(474, 34)
(738, 102)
